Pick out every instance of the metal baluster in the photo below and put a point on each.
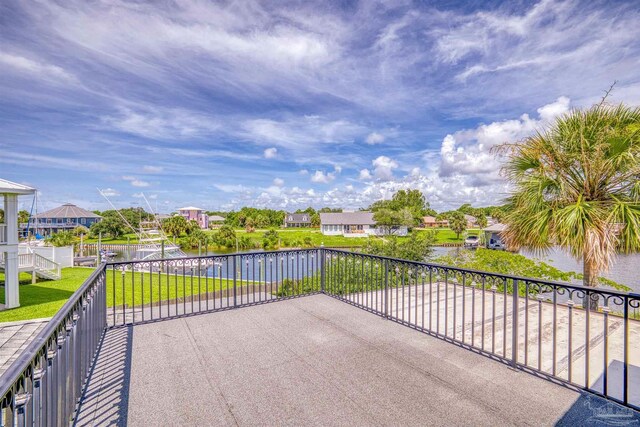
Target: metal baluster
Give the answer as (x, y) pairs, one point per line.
(605, 375)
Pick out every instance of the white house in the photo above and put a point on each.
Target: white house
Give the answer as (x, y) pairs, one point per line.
(354, 224)
(9, 239)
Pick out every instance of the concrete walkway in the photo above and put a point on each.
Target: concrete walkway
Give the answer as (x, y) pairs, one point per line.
(314, 361)
(14, 338)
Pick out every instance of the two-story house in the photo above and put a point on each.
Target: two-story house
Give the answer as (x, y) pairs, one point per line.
(65, 217)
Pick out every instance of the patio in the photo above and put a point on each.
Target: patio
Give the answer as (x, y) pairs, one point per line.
(312, 361)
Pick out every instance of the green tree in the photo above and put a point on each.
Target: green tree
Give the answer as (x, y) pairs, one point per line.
(175, 225)
(270, 239)
(457, 223)
(23, 217)
(62, 238)
(418, 247)
(109, 225)
(481, 220)
(79, 230)
(576, 185)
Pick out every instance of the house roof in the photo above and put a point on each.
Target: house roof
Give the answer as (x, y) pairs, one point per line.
(215, 218)
(190, 208)
(347, 218)
(9, 187)
(429, 219)
(298, 217)
(470, 218)
(67, 210)
(495, 228)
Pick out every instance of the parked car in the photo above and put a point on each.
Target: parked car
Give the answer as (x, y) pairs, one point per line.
(471, 242)
(496, 244)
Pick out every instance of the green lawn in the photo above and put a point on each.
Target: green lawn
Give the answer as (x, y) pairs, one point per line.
(44, 298)
(157, 287)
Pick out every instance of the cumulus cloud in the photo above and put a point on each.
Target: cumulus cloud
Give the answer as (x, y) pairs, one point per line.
(364, 175)
(323, 178)
(383, 167)
(270, 153)
(375, 138)
(278, 182)
(468, 152)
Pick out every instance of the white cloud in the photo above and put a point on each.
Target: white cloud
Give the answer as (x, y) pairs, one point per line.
(550, 111)
(375, 138)
(364, 175)
(303, 172)
(161, 123)
(321, 177)
(48, 72)
(110, 192)
(301, 133)
(383, 168)
(468, 152)
(135, 181)
(152, 169)
(270, 153)
(278, 182)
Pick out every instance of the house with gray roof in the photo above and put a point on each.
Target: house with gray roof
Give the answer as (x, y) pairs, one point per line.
(65, 217)
(297, 220)
(355, 224)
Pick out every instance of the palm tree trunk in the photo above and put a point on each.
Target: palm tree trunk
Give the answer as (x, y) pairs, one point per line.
(590, 279)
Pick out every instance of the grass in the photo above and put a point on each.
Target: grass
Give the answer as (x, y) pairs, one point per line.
(148, 287)
(443, 235)
(44, 298)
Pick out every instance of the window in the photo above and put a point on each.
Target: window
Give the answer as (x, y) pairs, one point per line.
(83, 220)
(48, 220)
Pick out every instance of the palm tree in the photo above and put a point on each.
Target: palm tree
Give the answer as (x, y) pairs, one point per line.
(576, 184)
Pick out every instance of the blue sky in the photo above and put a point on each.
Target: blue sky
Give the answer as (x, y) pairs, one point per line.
(291, 104)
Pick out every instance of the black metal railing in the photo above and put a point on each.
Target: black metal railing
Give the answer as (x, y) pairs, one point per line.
(579, 336)
(588, 338)
(142, 291)
(42, 387)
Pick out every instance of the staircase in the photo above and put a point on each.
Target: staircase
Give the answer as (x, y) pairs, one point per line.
(37, 265)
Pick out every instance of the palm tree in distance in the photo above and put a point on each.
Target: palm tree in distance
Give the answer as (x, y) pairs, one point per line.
(576, 184)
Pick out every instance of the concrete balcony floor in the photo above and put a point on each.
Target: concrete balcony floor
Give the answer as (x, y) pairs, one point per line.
(313, 361)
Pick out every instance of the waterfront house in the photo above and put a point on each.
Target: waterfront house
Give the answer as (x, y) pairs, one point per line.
(355, 224)
(62, 218)
(432, 222)
(215, 221)
(9, 191)
(297, 220)
(191, 213)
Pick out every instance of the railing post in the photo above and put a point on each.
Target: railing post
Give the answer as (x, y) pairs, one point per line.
(321, 256)
(514, 326)
(386, 288)
(20, 402)
(234, 281)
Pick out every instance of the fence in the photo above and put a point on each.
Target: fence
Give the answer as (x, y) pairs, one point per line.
(44, 384)
(574, 335)
(140, 291)
(579, 336)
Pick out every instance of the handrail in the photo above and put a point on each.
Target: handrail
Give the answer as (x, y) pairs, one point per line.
(17, 368)
(488, 273)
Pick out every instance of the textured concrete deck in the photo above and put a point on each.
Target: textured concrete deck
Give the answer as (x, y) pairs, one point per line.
(14, 338)
(314, 361)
